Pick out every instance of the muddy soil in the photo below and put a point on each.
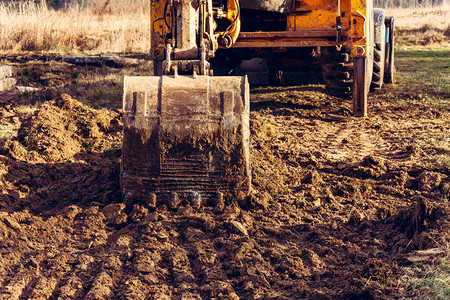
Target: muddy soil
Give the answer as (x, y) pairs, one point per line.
(338, 203)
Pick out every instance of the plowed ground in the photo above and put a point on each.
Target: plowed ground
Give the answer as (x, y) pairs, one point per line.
(339, 203)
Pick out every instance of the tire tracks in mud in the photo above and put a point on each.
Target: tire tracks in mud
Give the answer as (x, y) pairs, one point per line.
(349, 141)
(184, 254)
(309, 229)
(202, 257)
(195, 265)
(48, 267)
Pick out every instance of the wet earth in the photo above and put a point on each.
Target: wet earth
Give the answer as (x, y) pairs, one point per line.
(337, 205)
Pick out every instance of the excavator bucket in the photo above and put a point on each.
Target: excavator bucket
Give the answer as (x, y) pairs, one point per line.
(185, 139)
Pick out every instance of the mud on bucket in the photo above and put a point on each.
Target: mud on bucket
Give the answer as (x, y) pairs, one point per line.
(186, 139)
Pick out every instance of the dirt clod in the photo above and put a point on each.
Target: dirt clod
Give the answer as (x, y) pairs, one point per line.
(427, 181)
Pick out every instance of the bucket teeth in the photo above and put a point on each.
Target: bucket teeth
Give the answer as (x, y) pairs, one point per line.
(196, 199)
(174, 200)
(185, 139)
(220, 203)
(151, 200)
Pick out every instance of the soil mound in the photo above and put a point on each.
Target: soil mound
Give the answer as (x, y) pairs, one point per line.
(62, 128)
(64, 153)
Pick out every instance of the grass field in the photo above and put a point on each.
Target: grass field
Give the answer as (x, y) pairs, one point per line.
(422, 26)
(36, 28)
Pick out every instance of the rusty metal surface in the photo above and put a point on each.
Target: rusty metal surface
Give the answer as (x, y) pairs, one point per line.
(186, 25)
(284, 44)
(282, 6)
(361, 84)
(307, 33)
(185, 136)
(299, 38)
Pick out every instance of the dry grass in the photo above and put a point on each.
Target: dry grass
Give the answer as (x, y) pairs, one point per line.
(414, 18)
(422, 25)
(429, 279)
(120, 27)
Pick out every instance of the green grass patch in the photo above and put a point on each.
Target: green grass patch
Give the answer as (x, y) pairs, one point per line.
(432, 281)
(425, 75)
